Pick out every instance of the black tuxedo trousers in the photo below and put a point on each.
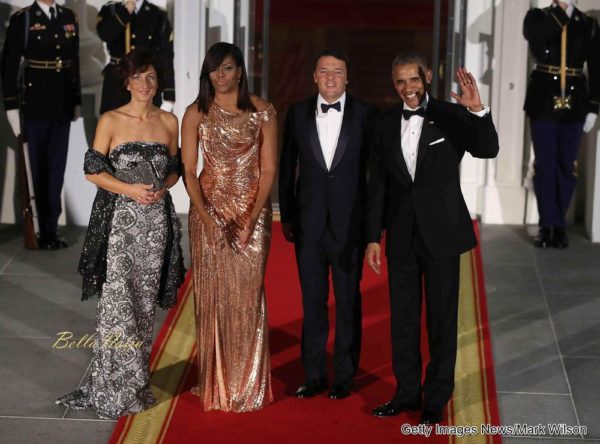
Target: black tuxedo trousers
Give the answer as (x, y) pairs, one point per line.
(440, 279)
(316, 259)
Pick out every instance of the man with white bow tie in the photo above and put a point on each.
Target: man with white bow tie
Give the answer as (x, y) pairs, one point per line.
(561, 105)
(414, 195)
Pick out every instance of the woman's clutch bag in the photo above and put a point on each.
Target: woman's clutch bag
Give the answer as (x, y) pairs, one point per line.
(143, 172)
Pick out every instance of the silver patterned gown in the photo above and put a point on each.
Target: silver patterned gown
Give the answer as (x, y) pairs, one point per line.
(119, 382)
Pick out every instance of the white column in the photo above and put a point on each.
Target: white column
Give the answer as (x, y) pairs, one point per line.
(478, 50)
(190, 35)
(221, 16)
(590, 159)
(504, 195)
(592, 186)
(78, 193)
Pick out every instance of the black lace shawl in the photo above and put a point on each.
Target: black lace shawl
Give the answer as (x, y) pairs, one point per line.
(92, 263)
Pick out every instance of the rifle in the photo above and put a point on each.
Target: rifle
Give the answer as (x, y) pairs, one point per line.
(28, 211)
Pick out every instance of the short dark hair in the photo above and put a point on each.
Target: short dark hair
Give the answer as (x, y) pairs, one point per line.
(337, 53)
(212, 60)
(138, 61)
(410, 57)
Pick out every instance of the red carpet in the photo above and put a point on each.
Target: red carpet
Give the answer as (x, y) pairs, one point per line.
(178, 417)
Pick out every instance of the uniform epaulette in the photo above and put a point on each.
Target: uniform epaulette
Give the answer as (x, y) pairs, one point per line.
(22, 10)
(160, 8)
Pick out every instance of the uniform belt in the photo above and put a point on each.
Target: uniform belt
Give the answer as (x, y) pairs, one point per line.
(552, 69)
(56, 65)
(115, 60)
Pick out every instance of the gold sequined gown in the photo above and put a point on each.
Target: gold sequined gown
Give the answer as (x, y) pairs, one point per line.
(231, 316)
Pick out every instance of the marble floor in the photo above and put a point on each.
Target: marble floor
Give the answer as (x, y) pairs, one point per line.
(544, 309)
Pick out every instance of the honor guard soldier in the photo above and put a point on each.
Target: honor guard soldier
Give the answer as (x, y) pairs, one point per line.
(561, 104)
(44, 39)
(135, 24)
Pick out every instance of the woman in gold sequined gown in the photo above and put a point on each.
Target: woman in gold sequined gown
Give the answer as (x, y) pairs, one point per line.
(230, 231)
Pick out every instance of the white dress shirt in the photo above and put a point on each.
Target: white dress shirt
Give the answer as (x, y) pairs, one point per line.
(329, 125)
(411, 134)
(46, 8)
(138, 4)
(570, 7)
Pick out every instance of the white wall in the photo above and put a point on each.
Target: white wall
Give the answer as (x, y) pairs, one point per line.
(496, 53)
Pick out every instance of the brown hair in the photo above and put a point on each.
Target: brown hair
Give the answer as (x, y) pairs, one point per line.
(138, 61)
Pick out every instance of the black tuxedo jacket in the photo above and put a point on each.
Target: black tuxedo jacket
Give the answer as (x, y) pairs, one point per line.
(310, 196)
(432, 205)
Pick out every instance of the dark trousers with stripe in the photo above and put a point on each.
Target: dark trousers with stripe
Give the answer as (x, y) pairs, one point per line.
(315, 259)
(48, 143)
(556, 146)
(441, 279)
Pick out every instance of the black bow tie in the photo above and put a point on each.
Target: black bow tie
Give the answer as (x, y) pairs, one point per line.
(336, 106)
(407, 114)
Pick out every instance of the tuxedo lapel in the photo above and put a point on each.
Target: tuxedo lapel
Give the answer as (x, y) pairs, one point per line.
(394, 142)
(344, 133)
(429, 133)
(313, 135)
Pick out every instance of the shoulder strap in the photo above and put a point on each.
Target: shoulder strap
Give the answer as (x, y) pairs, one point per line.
(26, 29)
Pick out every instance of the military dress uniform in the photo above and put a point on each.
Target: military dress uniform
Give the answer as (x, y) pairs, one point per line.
(148, 28)
(47, 94)
(557, 129)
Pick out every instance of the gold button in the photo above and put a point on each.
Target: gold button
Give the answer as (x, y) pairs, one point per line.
(57, 46)
(132, 46)
(149, 37)
(55, 36)
(132, 36)
(29, 83)
(39, 38)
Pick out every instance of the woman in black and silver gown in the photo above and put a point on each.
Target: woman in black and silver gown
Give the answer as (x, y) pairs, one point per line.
(131, 257)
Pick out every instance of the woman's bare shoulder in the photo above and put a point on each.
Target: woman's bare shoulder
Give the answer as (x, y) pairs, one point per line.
(169, 119)
(192, 113)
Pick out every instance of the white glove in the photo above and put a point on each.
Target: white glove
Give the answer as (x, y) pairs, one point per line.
(14, 120)
(590, 121)
(167, 106)
(76, 113)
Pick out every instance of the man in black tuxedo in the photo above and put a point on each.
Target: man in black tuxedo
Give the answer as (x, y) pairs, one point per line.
(322, 186)
(415, 196)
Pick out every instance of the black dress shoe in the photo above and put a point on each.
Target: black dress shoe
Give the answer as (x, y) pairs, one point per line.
(58, 241)
(393, 407)
(311, 388)
(44, 242)
(544, 239)
(561, 240)
(432, 416)
(339, 391)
